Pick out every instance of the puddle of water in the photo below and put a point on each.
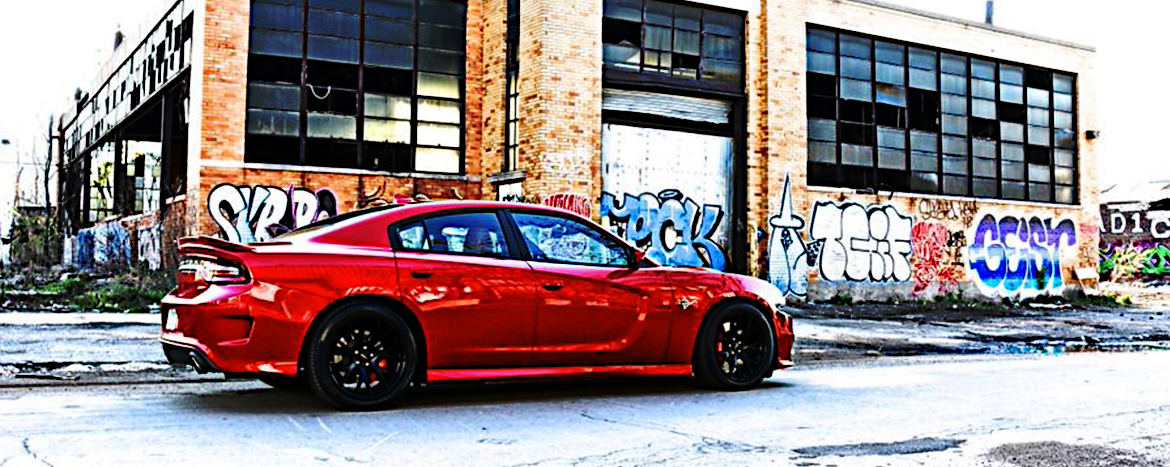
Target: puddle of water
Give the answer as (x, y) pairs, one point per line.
(897, 448)
(1062, 347)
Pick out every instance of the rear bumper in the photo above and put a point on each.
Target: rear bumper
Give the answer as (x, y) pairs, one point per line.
(227, 329)
(180, 356)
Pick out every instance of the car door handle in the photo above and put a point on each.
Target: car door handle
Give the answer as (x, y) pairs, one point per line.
(421, 274)
(553, 287)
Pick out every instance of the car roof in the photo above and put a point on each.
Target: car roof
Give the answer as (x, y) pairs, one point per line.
(412, 210)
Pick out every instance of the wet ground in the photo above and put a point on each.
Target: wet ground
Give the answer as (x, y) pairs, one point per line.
(999, 411)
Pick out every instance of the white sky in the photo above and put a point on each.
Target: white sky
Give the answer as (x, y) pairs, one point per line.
(48, 48)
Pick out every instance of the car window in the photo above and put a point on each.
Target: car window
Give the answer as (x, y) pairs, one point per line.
(476, 233)
(566, 240)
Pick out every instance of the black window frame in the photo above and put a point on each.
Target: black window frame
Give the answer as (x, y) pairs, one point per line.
(361, 152)
(1047, 182)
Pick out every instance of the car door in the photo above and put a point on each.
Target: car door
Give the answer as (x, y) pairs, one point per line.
(593, 308)
(474, 297)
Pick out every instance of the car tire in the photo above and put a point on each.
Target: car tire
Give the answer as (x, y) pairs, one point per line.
(283, 383)
(362, 356)
(735, 348)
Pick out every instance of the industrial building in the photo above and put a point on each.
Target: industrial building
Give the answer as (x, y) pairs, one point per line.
(828, 146)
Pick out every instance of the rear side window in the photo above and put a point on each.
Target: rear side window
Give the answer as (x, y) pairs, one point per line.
(473, 233)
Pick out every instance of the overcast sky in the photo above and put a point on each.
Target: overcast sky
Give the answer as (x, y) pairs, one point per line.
(50, 47)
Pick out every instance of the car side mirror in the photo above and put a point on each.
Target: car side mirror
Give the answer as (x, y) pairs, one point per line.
(639, 255)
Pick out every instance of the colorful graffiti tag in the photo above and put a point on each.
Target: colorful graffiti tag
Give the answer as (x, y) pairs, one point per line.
(103, 245)
(862, 243)
(789, 257)
(937, 253)
(254, 214)
(571, 202)
(947, 210)
(676, 230)
(1012, 256)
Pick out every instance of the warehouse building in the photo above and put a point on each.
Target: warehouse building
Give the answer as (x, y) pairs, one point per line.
(831, 147)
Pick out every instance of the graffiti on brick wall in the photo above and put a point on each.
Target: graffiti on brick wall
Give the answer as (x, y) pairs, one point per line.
(1141, 261)
(947, 210)
(675, 229)
(1135, 222)
(937, 258)
(862, 243)
(373, 198)
(149, 247)
(510, 193)
(1012, 256)
(103, 245)
(571, 202)
(1135, 242)
(254, 214)
(789, 257)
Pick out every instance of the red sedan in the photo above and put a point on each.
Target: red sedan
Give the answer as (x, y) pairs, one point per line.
(361, 305)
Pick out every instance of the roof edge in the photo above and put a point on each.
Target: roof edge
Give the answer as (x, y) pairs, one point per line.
(976, 24)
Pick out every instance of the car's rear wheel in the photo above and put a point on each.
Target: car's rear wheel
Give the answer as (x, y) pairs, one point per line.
(362, 357)
(734, 348)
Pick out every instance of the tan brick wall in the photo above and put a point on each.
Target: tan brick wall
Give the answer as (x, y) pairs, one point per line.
(780, 130)
(495, 29)
(560, 97)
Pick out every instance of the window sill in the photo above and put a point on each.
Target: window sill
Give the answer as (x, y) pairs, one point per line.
(504, 178)
(334, 170)
(884, 193)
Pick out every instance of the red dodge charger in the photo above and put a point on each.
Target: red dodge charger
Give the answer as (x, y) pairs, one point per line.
(361, 305)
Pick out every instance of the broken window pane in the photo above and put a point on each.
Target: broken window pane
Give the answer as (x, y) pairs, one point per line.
(822, 85)
(1065, 139)
(893, 95)
(274, 122)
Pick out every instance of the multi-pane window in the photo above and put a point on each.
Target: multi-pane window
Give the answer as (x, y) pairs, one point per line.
(374, 84)
(892, 116)
(512, 122)
(676, 41)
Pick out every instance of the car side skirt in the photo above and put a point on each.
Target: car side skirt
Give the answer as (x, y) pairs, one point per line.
(472, 374)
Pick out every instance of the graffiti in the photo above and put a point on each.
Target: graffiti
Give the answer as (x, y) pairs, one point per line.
(789, 257)
(103, 245)
(570, 202)
(1157, 262)
(1012, 256)
(937, 257)
(862, 243)
(946, 210)
(148, 247)
(255, 214)
(676, 229)
(367, 200)
(1135, 221)
(510, 193)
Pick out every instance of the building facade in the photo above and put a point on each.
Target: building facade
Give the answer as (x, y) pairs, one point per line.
(830, 147)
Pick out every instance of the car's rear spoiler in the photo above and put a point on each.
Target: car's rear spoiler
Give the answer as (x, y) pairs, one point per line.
(203, 245)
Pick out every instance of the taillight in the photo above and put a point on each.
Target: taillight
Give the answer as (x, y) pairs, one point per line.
(211, 271)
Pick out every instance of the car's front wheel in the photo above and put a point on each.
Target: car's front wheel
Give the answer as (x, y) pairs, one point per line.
(734, 348)
(362, 356)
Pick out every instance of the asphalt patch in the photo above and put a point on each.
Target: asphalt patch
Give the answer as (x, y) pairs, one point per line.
(897, 448)
(1054, 454)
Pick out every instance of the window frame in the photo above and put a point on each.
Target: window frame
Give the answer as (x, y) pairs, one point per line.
(394, 228)
(1055, 180)
(360, 152)
(514, 227)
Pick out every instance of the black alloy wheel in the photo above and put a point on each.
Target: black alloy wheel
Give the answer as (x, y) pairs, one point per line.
(734, 349)
(363, 356)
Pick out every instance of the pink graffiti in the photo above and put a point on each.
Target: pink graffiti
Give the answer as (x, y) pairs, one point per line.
(570, 202)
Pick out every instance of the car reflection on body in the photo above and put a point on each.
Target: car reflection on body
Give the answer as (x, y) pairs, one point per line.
(362, 305)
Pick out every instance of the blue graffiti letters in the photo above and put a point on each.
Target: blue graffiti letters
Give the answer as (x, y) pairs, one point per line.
(677, 231)
(1011, 256)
